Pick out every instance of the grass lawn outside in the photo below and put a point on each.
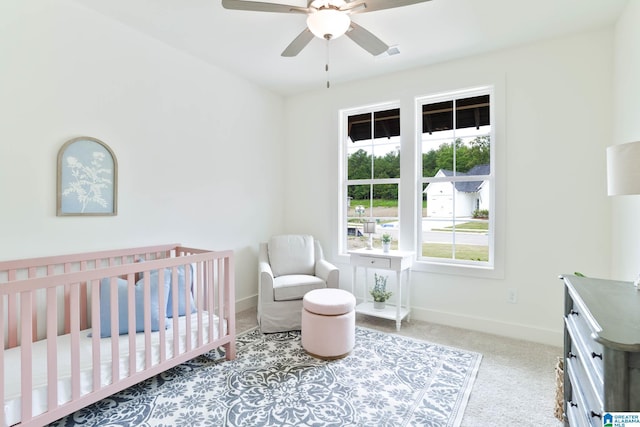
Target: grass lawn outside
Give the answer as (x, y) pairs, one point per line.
(465, 252)
(467, 227)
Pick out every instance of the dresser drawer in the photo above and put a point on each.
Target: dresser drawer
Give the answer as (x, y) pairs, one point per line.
(582, 402)
(591, 352)
(371, 261)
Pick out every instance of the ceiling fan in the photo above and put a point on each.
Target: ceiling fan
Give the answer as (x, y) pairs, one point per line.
(328, 19)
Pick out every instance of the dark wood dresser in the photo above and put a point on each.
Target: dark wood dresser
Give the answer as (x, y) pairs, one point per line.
(602, 349)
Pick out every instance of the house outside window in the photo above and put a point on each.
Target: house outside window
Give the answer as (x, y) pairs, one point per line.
(370, 156)
(456, 178)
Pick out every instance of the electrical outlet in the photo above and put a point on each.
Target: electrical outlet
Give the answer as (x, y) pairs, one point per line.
(512, 296)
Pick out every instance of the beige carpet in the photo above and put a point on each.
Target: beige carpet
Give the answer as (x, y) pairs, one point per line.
(515, 385)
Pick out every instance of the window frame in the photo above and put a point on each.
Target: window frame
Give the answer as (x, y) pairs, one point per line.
(410, 190)
(345, 182)
(492, 267)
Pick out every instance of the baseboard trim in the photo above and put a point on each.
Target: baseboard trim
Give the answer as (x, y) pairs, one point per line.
(489, 326)
(479, 324)
(246, 303)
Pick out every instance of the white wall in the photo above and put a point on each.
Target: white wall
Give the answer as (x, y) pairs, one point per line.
(199, 150)
(625, 253)
(553, 101)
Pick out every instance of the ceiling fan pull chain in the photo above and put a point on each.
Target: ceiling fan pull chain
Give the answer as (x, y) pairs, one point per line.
(326, 66)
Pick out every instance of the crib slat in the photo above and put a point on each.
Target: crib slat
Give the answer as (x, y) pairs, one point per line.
(26, 373)
(83, 300)
(229, 301)
(52, 349)
(75, 340)
(187, 299)
(12, 315)
(115, 343)
(197, 289)
(34, 310)
(209, 296)
(95, 333)
(162, 315)
(2, 349)
(146, 312)
(132, 327)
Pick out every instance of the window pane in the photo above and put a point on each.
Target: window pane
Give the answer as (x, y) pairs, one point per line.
(473, 155)
(385, 202)
(386, 163)
(358, 202)
(472, 112)
(359, 127)
(455, 221)
(437, 154)
(358, 211)
(387, 123)
(359, 163)
(437, 117)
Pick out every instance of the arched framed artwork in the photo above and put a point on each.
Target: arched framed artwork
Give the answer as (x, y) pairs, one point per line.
(87, 178)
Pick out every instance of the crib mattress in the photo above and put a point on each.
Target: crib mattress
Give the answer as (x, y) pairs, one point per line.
(13, 360)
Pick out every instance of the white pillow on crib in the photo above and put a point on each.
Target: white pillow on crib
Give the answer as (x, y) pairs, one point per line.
(123, 306)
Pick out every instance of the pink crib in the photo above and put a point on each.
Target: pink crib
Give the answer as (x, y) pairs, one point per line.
(78, 328)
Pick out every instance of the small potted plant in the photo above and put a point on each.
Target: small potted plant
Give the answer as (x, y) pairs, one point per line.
(386, 242)
(379, 292)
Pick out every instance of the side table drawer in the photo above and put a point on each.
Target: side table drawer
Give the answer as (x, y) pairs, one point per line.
(371, 261)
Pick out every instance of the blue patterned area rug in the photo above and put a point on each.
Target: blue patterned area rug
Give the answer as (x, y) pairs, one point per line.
(387, 380)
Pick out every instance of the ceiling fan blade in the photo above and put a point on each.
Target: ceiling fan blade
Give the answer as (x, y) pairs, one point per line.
(259, 6)
(361, 6)
(298, 43)
(366, 40)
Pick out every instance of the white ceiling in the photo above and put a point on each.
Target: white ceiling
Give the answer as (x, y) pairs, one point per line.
(249, 43)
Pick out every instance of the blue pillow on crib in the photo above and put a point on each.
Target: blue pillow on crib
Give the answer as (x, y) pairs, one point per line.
(182, 304)
(123, 307)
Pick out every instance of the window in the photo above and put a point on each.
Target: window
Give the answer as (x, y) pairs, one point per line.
(456, 179)
(371, 175)
(449, 223)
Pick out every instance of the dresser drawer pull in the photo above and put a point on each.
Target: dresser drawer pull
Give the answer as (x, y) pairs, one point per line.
(595, 414)
(594, 355)
(574, 312)
(571, 355)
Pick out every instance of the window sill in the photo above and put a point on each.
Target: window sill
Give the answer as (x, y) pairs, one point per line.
(459, 269)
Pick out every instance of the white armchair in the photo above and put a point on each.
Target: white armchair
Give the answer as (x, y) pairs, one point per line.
(289, 266)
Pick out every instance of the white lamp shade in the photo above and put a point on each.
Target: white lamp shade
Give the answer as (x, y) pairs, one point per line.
(370, 227)
(328, 23)
(623, 169)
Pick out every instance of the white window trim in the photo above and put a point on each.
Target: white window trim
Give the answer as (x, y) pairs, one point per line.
(343, 164)
(493, 268)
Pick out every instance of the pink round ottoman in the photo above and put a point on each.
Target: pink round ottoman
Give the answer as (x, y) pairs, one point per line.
(328, 323)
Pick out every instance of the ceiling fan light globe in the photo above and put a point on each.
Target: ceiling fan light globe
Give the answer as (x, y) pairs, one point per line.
(328, 23)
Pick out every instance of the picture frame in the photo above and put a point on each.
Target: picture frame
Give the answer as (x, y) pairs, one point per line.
(87, 181)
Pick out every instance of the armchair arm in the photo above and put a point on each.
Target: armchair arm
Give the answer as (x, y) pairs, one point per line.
(265, 275)
(328, 272)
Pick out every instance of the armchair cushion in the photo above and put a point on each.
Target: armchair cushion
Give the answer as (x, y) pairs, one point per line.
(294, 286)
(291, 254)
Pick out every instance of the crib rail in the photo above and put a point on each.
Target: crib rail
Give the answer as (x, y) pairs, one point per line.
(45, 298)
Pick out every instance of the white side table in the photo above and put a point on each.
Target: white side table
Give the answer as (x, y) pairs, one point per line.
(398, 261)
